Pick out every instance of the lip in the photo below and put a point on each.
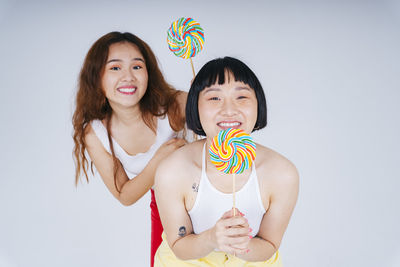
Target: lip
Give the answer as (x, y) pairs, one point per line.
(127, 89)
(229, 124)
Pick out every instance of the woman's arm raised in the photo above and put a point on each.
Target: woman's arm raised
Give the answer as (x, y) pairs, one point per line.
(129, 190)
(230, 234)
(282, 189)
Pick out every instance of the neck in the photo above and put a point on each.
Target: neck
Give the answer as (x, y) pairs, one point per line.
(126, 116)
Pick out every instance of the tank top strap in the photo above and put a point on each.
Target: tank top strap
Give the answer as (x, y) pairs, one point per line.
(254, 180)
(203, 183)
(203, 163)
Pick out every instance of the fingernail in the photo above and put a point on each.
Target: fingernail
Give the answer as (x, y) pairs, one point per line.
(250, 229)
(247, 251)
(250, 236)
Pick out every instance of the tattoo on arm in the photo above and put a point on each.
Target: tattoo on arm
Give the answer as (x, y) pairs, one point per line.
(182, 231)
(195, 187)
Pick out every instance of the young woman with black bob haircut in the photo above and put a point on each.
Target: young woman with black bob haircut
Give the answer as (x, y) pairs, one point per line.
(195, 199)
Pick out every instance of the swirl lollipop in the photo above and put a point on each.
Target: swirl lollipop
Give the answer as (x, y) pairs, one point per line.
(232, 151)
(185, 38)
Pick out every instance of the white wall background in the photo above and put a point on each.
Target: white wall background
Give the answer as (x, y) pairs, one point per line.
(331, 73)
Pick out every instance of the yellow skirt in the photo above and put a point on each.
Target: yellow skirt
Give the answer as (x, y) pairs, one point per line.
(165, 257)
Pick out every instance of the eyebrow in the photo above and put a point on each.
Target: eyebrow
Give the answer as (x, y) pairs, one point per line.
(216, 89)
(212, 89)
(120, 60)
(242, 88)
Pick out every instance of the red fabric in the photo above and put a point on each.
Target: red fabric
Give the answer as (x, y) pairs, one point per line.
(156, 228)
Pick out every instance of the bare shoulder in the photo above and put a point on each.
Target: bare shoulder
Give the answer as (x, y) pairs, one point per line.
(180, 165)
(181, 157)
(94, 146)
(91, 138)
(275, 168)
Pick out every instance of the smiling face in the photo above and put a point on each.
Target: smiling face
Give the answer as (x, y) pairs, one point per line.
(229, 105)
(125, 77)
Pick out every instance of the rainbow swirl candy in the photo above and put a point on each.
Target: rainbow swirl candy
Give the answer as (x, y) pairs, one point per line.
(185, 38)
(232, 151)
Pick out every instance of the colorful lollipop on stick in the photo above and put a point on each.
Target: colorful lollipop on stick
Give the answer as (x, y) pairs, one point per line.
(185, 39)
(232, 151)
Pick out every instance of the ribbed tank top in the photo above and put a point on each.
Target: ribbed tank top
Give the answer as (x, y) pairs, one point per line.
(134, 164)
(211, 204)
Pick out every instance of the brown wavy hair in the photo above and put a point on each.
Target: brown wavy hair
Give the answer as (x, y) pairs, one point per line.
(91, 102)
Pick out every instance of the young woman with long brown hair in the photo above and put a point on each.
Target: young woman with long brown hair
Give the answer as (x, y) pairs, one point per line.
(127, 118)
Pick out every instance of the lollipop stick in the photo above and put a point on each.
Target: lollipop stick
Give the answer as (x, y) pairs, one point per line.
(234, 199)
(234, 194)
(191, 63)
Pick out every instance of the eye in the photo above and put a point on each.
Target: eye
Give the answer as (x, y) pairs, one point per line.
(137, 67)
(242, 97)
(115, 68)
(214, 98)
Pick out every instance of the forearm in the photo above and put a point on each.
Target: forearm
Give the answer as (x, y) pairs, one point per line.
(259, 250)
(193, 246)
(132, 190)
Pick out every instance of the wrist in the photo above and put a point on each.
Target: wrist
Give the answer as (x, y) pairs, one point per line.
(153, 163)
(210, 238)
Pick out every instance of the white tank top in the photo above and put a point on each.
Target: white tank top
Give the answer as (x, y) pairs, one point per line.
(211, 204)
(135, 164)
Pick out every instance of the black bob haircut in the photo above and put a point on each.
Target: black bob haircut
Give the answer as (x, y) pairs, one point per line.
(208, 75)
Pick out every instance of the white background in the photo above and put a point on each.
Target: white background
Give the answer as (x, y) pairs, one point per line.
(331, 74)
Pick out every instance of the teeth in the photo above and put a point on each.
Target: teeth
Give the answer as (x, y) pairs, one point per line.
(229, 124)
(127, 90)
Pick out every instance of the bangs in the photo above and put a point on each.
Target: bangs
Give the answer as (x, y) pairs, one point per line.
(222, 71)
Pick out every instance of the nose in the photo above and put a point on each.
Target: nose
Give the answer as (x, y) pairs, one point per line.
(228, 108)
(128, 75)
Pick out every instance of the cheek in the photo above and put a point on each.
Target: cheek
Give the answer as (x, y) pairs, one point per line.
(144, 81)
(252, 112)
(106, 88)
(106, 81)
(201, 105)
(103, 84)
(202, 113)
(205, 111)
(145, 76)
